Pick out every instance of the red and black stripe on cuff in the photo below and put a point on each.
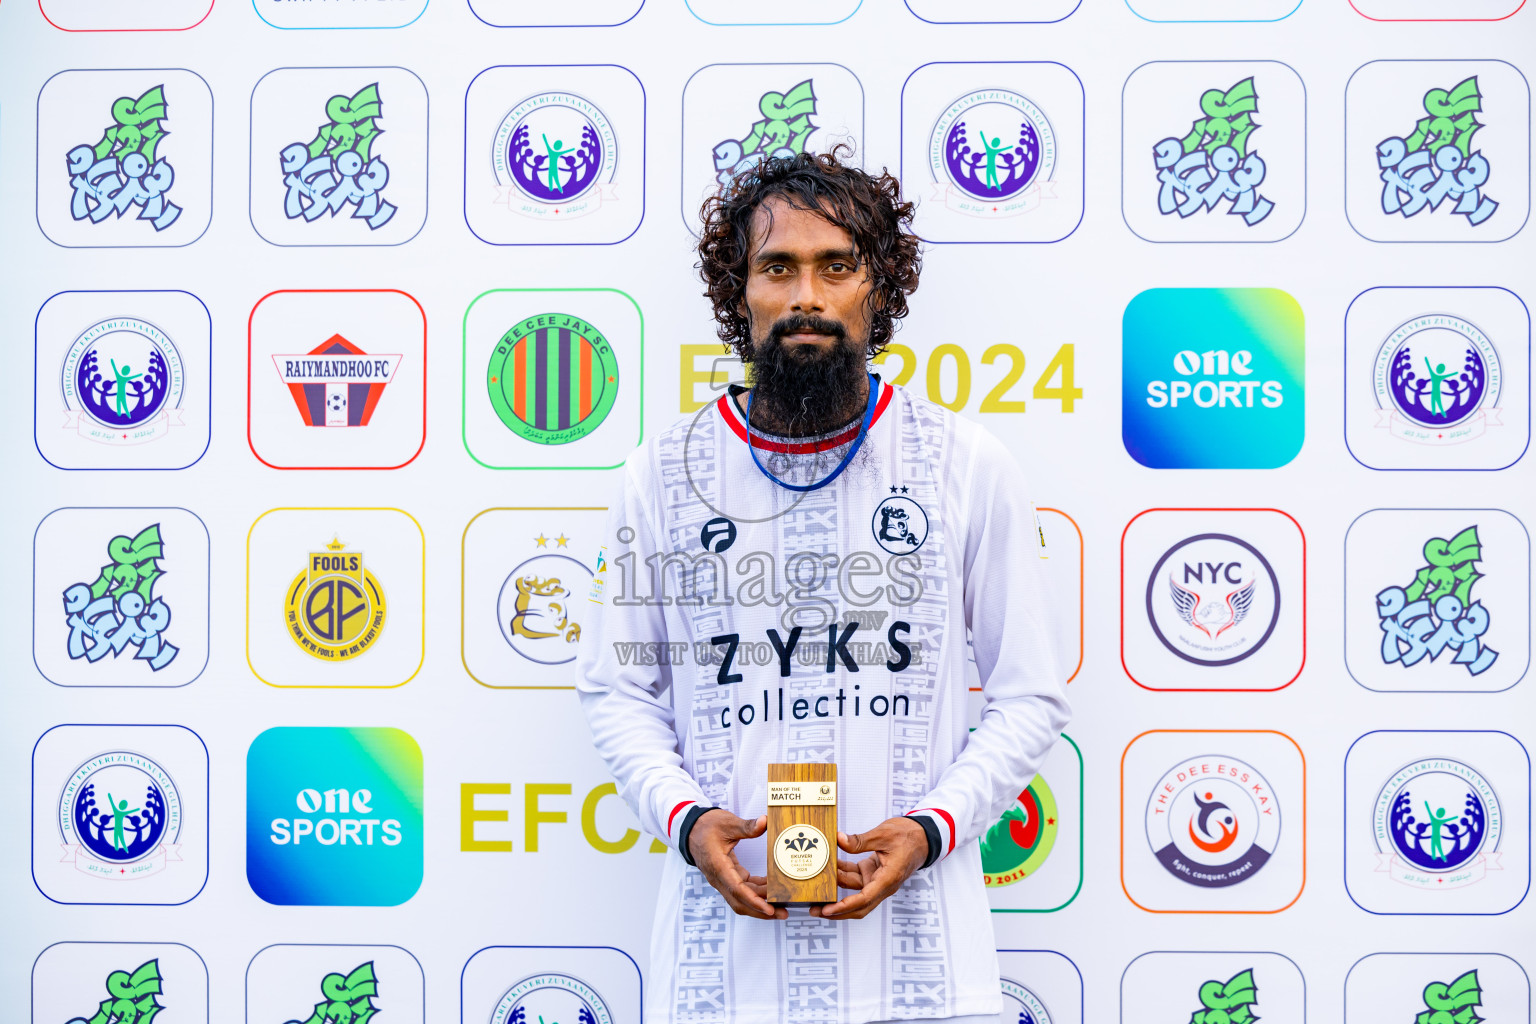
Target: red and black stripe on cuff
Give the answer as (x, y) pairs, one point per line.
(937, 845)
(695, 812)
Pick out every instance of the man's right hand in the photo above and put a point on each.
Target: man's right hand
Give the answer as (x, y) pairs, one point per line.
(712, 843)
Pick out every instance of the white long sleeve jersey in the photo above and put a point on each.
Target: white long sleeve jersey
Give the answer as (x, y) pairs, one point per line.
(736, 623)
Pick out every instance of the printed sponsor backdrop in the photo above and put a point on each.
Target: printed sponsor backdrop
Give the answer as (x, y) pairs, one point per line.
(328, 324)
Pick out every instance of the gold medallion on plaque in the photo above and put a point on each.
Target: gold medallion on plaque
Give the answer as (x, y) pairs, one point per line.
(801, 851)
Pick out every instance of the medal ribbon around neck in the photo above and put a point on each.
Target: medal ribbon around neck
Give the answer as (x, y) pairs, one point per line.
(858, 442)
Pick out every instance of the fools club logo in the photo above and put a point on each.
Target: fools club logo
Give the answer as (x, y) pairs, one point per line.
(1214, 163)
(133, 997)
(555, 155)
(1213, 599)
(1213, 821)
(992, 152)
(106, 399)
(1018, 844)
(1436, 611)
(346, 998)
(335, 607)
(553, 378)
(338, 169)
(119, 814)
(780, 132)
(551, 997)
(1436, 163)
(124, 171)
(336, 384)
(537, 606)
(1437, 824)
(1437, 380)
(120, 609)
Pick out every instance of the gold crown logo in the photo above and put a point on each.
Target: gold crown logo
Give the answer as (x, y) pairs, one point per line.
(335, 544)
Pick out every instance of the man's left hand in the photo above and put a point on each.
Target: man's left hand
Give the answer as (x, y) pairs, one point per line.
(896, 847)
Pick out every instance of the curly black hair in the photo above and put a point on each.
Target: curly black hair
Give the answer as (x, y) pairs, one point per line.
(869, 207)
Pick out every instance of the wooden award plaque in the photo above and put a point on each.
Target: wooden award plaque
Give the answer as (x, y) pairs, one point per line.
(802, 833)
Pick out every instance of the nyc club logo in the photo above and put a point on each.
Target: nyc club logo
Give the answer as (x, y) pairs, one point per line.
(119, 611)
(345, 998)
(1213, 599)
(339, 169)
(336, 383)
(122, 382)
(1216, 162)
(785, 122)
(1213, 821)
(133, 997)
(1022, 1005)
(541, 602)
(1438, 825)
(554, 156)
(1017, 845)
(1437, 380)
(1437, 163)
(335, 607)
(334, 816)
(120, 816)
(551, 997)
(992, 153)
(1213, 378)
(125, 171)
(1436, 613)
(552, 378)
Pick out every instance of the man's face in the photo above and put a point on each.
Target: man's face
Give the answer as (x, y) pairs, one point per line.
(803, 279)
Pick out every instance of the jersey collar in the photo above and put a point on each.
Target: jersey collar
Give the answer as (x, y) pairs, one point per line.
(731, 414)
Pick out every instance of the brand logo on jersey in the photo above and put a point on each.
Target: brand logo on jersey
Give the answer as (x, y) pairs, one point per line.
(1437, 824)
(554, 156)
(122, 381)
(992, 153)
(133, 997)
(537, 607)
(1436, 611)
(335, 607)
(1433, 378)
(1213, 821)
(1213, 599)
(345, 998)
(1214, 163)
(553, 378)
(338, 169)
(1021, 840)
(119, 609)
(1228, 1002)
(551, 998)
(1021, 1006)
(780, 133)
(1436, 163)
(718, 535)
(120, 814)
(1456, 1003)
(336, 384)
(900, 525)
(125, 171)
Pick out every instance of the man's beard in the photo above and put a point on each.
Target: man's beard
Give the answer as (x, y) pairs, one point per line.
(803, 390)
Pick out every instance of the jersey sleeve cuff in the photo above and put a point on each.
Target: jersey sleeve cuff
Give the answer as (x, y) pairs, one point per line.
(684, 817)
(940, 828)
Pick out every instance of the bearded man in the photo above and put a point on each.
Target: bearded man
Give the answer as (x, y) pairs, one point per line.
(812, 555)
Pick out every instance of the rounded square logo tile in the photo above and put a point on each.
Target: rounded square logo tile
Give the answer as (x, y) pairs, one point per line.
(1430, 987)
(511, 984)
(1216, 987)
(312, 984)
(119, 982)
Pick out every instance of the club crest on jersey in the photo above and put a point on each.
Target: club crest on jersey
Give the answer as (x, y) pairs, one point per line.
(133, 997)
(1437, 380)
(1019, 843)
(551, 997)
(336, 384)
(335, 607)
(338, 169)
(553, 378)
(900, 525)
(1438, 825)
(1214, 163)
(122, 381)
(120, 814)
(346, 998)
(124, 170)
(554, 157)
(1021, 1006)
(992, 153)
(537, 607)
(119, 609)
(1213, 599)
(1213, 821)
